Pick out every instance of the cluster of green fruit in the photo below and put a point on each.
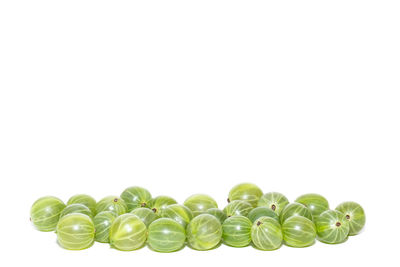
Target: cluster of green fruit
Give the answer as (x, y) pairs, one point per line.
(126, 222)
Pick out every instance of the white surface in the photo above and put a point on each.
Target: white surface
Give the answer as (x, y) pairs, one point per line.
(183, 97)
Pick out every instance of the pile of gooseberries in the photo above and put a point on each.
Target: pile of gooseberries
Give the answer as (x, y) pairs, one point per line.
(134, 219)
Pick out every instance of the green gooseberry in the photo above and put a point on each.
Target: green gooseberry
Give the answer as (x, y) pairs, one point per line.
(219, 214)
(316, 203)
(159, 203)
(112, 203)
(76, 208)
(258, 212)
(236, 231)
(179, 213)
(75, 231)
(45, 213)
(166, 235)
(237, 207)
(247, 192)
(146, 215)
(354, 214)
(204, 232)
(136, 197)
(332, 227)
(86, 200)
(199, 203)
(295, 209)
(298, 231)
(102, 223)
(273, 200)
(266, 233)
(128, 232)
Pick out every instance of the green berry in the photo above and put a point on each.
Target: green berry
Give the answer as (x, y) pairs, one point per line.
(246, 192)
(236, 231)
(45, 213)
(266, 233)
(166, 235)
(354, 214)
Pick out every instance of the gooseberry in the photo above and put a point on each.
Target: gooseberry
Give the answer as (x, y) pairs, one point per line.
(86, 200)
(332, 227)
(136, 197)
(237, 207)
(76, 208)
(298, 231)
(200, 203)
(204, 232)
(179, 213)
(75, 231)
(295, 209)
(112, 203)
(236, 231)
(45, 213)
(102, 223)
(127, 232)
(146, 215)
(159, 203)
(354, 214)
(273, 200)
(166, 235)
(219, 214)
(247, 192)
(266, 233)
(258, 212)
(316, 203)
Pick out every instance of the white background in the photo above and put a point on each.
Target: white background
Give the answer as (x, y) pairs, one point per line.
(186, 97)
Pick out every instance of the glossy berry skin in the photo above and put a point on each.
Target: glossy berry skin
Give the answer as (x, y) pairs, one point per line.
(247, 192)
(273, 200)
(179, 213)
(258, 212)
(76, 208)
(127, 232)
(298, 232)
(45, 213)
(236, 231)
(159, 203)
(86, 200)
(354, 214)
(75, 231)
(266, 233)
(204, 232)
(314, 202)
(102, 223)
(237, 207)
(200, 203)
(294, 209)
(146, 215)
(166, 235)
(136, 197)
(219, 214)
(332, 227)
(111, 203)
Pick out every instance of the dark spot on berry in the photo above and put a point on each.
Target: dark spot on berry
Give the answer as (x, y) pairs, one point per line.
(115, 199)
(154, 209)
(338, 224)
(348, 217)
(259, 223)
(30, 218)
(273, 207)
(229, 201)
